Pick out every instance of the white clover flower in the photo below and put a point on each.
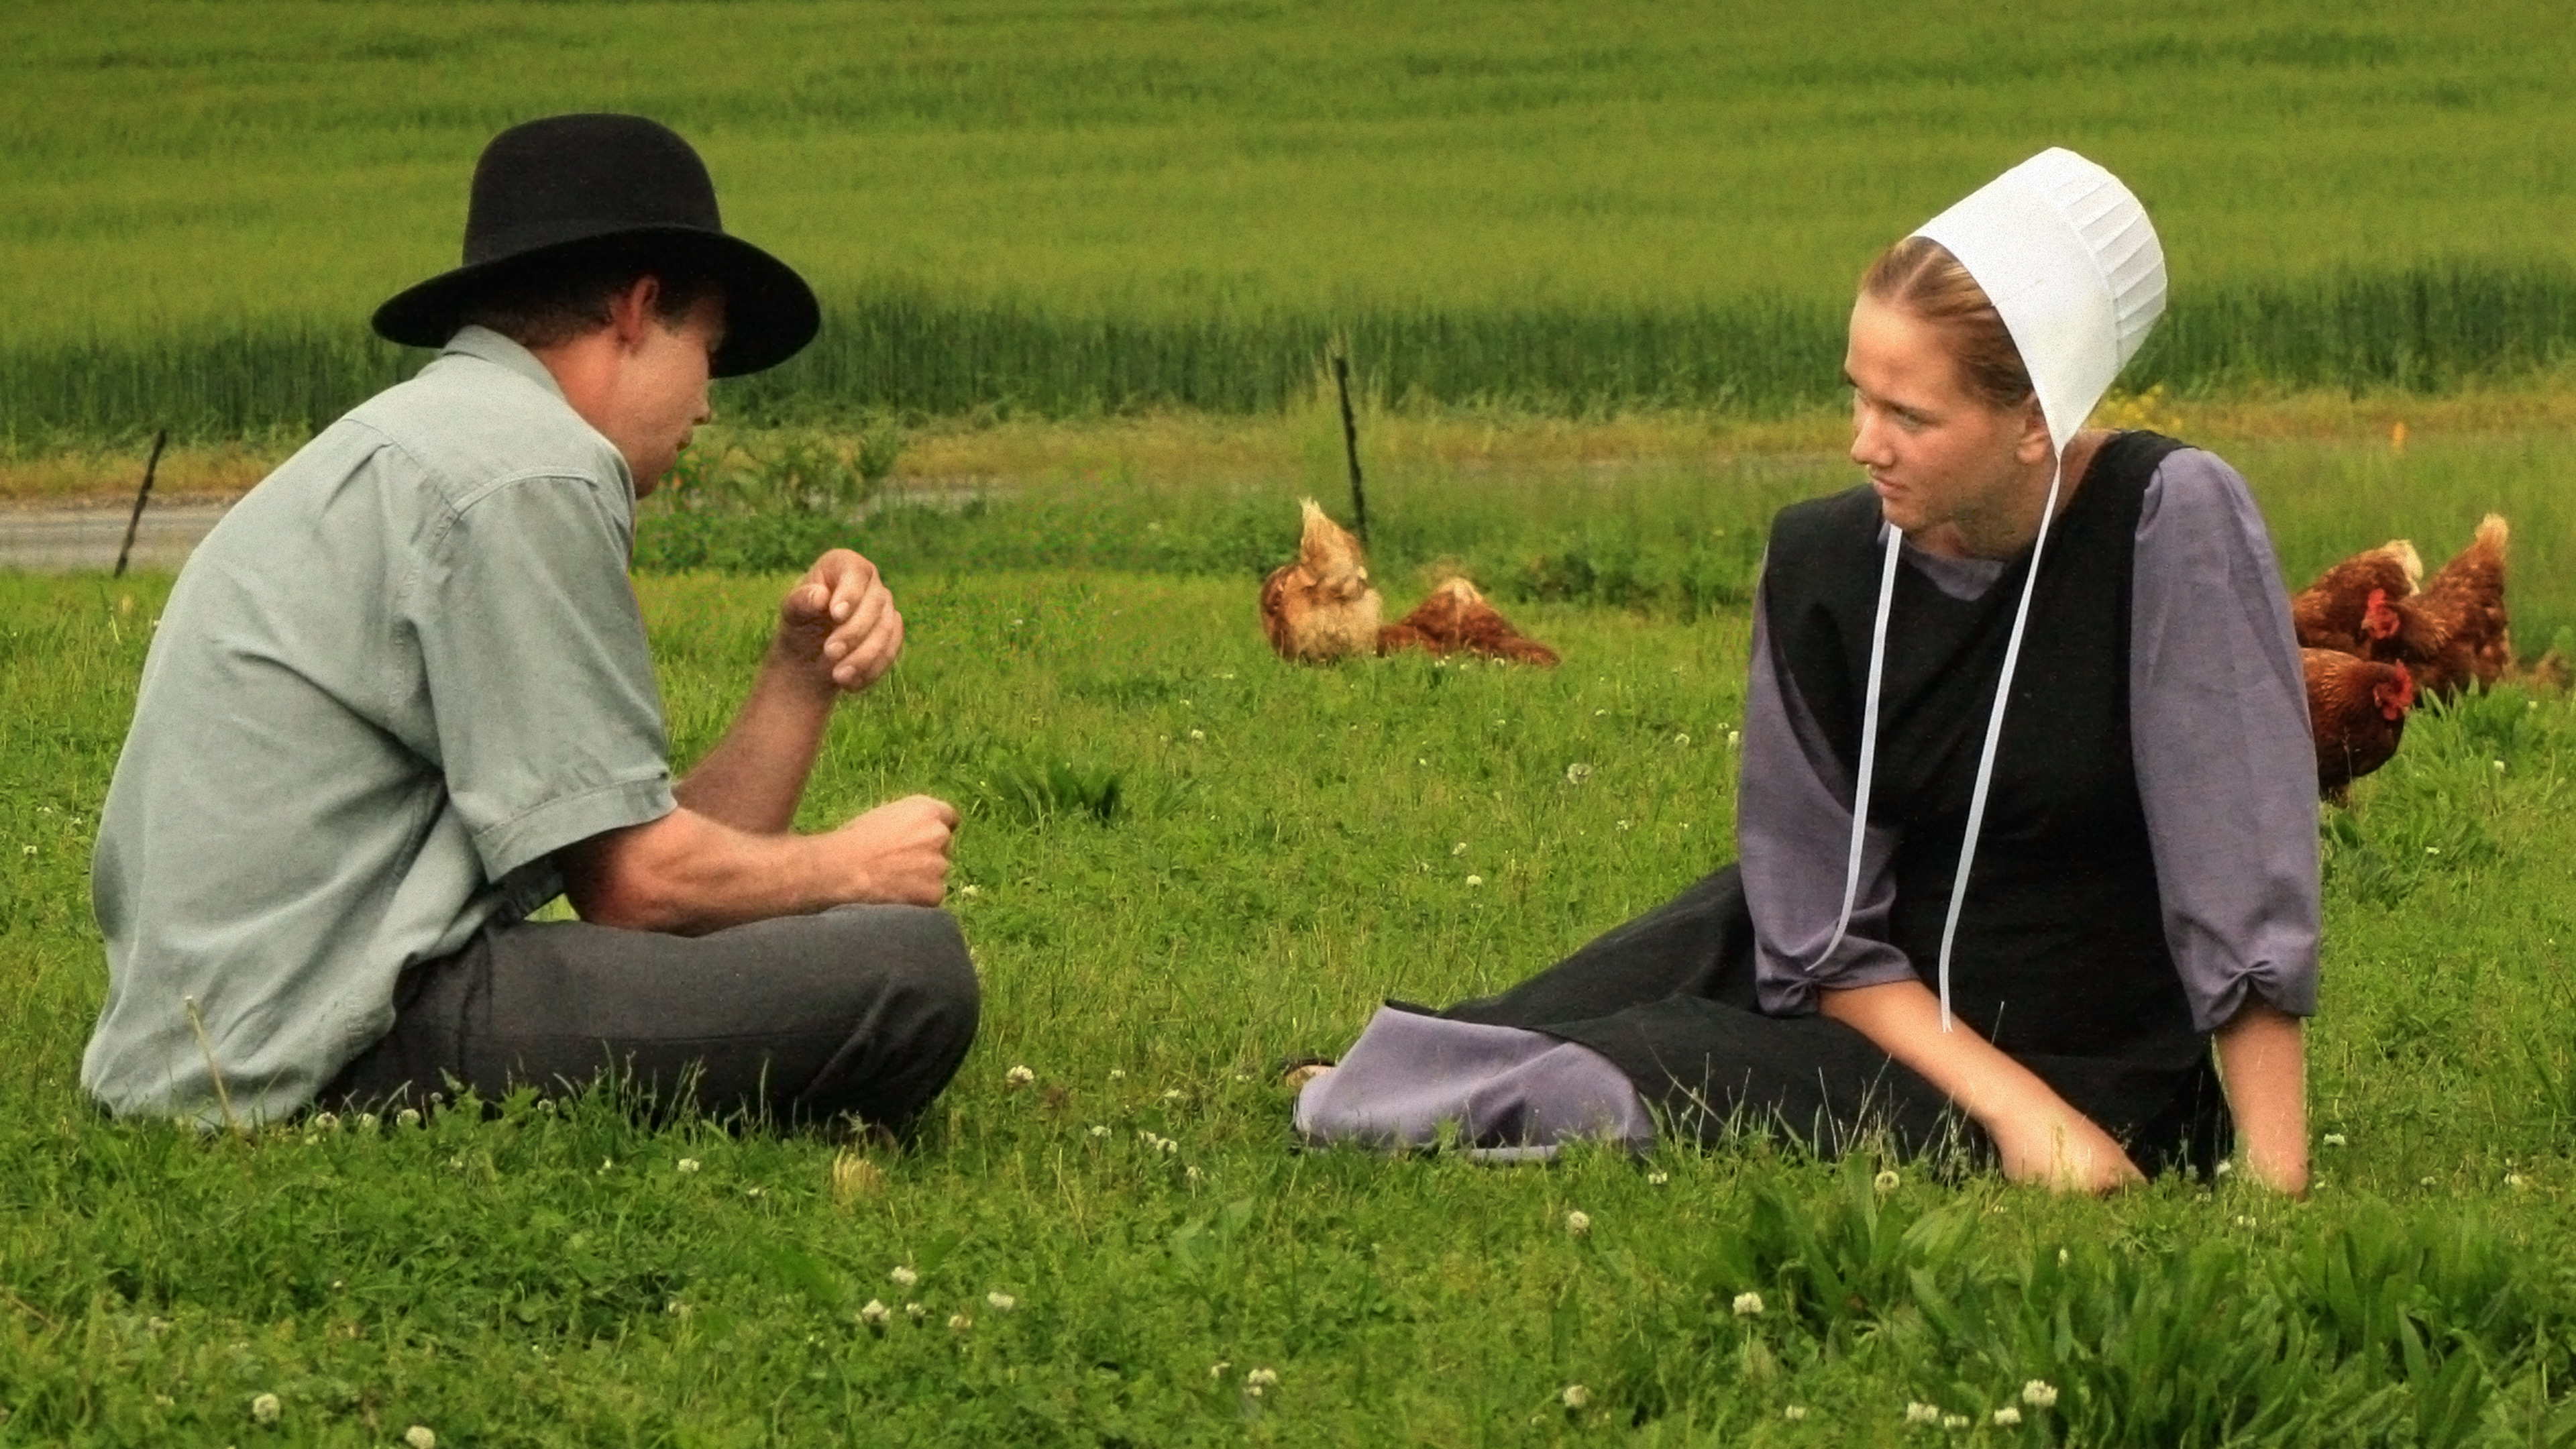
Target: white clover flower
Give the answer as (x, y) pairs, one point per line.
(1002, 1302)
(2499, 767)
(1578, 1222)
(2007, 1416)
(2334, 1139)
(970, 890)
(264, 1409)
(1018, 1077)
(1658, 1179)
(1954, 1421)
(367, 1121)
(688, 1164)
(676, 1308)
(1459, 849)
(1577, 773)
(1735, 737)
(325, 1122)
(1117, 1074)
(2225, 1166)
(1921, 1413)
(1098, 1130)
(1794, 1412)
(1475, 880)
(903, 1276)
(959, 1323)
(1171, 1094)
(1198, 734)
(2516, 1180)
(755, 1192)
(1887, 1180)
(419, 1437)
(607, 1164)
(915, 1312)
(1192, 1173)
(2039, 1394)
(1748, 1305)
(2063, 1257)
(29, 850)
(1259, 1379)
(1575, 1396)
(875, 1314)
(407, 1117)
(2428, 1182)
(1217, 1369)
(1683, 739)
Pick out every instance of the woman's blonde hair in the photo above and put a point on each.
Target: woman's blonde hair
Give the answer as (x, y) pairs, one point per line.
(1919, 276)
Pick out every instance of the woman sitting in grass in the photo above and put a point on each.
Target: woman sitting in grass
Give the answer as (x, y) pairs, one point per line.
(2016, 928)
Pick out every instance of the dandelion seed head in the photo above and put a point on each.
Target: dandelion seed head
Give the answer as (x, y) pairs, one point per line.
(1575, 1396)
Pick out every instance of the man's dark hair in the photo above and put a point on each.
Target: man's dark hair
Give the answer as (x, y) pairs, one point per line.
(552, 300)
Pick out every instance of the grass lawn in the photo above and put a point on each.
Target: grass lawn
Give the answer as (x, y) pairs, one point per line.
(1286, 847)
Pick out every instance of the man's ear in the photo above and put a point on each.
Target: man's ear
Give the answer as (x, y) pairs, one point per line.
(631, 314)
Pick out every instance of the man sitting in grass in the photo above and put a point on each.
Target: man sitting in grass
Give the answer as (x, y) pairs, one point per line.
(401, 696)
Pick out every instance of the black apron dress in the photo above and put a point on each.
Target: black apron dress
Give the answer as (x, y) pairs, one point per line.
(2061, 958)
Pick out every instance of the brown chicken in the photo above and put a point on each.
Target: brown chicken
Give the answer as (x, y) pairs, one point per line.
(2348, 604)
(2452, 633)
(1456, 618)
(1321, 607)
(2357, 710)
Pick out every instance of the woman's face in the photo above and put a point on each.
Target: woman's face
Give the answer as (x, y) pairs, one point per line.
(1953, 472)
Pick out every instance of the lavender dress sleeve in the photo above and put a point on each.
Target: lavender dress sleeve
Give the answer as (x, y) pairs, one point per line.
(2218, 718)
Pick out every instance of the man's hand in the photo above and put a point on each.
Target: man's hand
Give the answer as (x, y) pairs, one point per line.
(898, 852)
(838, 629)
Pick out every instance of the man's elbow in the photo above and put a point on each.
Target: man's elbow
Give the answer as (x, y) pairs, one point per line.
(636, 879)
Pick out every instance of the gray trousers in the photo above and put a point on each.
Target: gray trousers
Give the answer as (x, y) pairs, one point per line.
(863, 1010)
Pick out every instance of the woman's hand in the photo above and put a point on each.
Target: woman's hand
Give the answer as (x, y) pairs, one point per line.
(2061, 1147)
(2042, 1138)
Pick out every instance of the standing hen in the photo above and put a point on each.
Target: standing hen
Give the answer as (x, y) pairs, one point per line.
(2348, 604)
(2357, 710)
(1321, 607)
(2454, 632)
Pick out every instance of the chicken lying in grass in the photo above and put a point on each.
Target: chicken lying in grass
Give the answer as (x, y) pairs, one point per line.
(2357, 710)
(1321, 608)
(1456, 618)
(2453, 632)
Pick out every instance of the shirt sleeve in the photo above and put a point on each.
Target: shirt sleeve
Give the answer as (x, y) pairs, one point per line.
(549, 724)
(2218, 718)
(1793, 824)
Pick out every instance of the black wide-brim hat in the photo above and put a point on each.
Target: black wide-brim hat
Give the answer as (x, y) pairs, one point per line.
(564, 188)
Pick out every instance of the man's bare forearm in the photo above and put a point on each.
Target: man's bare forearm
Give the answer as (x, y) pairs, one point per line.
(755, 775)
(2263, 1051)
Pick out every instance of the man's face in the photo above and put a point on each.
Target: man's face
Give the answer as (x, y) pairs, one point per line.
(664, 391)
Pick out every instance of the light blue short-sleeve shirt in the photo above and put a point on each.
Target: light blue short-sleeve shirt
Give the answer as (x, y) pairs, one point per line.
(399, 674)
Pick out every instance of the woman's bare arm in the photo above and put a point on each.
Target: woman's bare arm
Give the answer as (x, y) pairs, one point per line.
(2263, 1051)
(2042, 1139)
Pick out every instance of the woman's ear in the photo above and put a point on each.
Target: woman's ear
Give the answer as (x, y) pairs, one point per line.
(2034, 446)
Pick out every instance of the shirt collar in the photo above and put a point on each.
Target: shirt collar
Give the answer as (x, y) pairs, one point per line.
(485, 345)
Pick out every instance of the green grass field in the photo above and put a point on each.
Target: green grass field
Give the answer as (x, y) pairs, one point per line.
(1059, 208)
(1286, 847)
